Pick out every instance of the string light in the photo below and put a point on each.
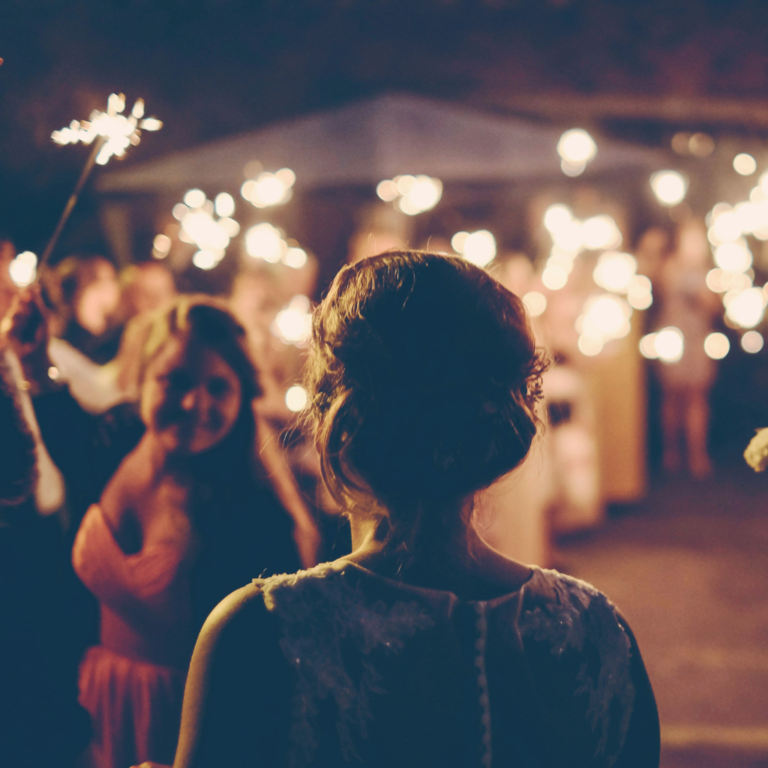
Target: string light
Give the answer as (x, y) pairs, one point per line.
(269, 189)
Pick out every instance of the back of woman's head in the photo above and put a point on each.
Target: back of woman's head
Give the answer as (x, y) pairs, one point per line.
(422, 381)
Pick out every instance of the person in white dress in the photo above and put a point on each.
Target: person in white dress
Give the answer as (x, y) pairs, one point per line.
(424, 647)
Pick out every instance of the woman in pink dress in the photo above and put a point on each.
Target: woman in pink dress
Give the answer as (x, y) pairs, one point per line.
(181, 512)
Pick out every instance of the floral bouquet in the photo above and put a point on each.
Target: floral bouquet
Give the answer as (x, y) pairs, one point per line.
(757, 451)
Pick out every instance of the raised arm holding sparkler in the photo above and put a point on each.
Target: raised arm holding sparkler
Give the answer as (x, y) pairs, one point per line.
(111, 133)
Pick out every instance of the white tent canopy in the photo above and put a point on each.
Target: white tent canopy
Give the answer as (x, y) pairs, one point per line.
(368, 141)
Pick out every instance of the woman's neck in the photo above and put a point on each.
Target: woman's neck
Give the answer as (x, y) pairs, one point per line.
(466, 565)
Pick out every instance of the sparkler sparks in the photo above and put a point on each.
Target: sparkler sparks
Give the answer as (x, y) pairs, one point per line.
(117, 131)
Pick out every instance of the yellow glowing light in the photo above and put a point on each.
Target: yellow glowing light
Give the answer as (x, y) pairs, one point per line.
(557, 216)
(717, 346)
(119, 131)
(404, 184)
(194, 198)
(669, 344)
(572, 169)
(264, 241)
(648, 346)
(600, 233)
(295, 258)
(162, 243)
(639, 292)
(750, 216)
(669, 187)
(554, 277)
(744, 164)
(725, 228)
(458, 240)
(205, 259)
(569, 237)
(640, 300)
(423, 195)
(716, 280)
(225, 205)
(296, 398)
(387, 190)
(745, 308)
(614, 271)
(590, 346)
(293, 325)
(479, 247)
(604, 317)
(179, 211)
(559, 257)
(269, 189)
(23, 269)
(230, 226)
(701, 145)
(576, 147)
(733, 256)
(752, 342)
(204, 231)
(535, 302)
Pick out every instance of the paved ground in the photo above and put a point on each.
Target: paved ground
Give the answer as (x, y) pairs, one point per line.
(689, 569)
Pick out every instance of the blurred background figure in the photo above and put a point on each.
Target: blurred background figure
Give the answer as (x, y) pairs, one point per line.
(146, 286)
(688, 305)
(7, 287)
(40, 720)
(86, 293)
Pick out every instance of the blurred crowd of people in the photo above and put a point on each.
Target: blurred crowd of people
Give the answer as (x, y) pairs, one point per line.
(146, 482)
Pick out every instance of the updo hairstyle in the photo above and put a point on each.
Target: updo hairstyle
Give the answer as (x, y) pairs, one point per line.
(423, 379)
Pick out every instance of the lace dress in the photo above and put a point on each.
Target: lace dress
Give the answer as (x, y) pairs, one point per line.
(340, 666)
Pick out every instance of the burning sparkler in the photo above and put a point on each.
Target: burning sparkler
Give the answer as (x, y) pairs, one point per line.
(111, 133)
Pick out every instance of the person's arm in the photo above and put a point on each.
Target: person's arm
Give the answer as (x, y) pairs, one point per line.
(642, 746)
(237, 698)
(305, 531)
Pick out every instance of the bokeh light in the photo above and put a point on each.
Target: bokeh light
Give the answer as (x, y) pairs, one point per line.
(744, 164)
(23, 269)
(576, 147)
(752, 342)
(479, 247)
(745, 308)
(296, 398)
(733, 256)
(535, 302)
(269, 189)
(717, 346)
(293, 325)
(669, 344)
(614, 271)
(263, 241)
(670, 187)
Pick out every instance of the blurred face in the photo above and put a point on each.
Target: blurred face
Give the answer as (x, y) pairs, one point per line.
(190, 398)
(153, 289)
(98, 301)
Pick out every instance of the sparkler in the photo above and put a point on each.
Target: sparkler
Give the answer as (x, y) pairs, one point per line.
(111, 133)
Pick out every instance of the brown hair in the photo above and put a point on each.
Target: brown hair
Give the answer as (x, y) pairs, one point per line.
(422, 379)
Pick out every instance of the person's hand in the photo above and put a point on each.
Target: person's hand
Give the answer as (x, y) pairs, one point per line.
(25, 331)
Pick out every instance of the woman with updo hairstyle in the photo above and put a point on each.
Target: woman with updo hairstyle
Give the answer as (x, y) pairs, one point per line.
(179, 510)
(423, 647)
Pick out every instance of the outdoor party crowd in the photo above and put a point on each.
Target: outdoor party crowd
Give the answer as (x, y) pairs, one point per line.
(150, 468)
